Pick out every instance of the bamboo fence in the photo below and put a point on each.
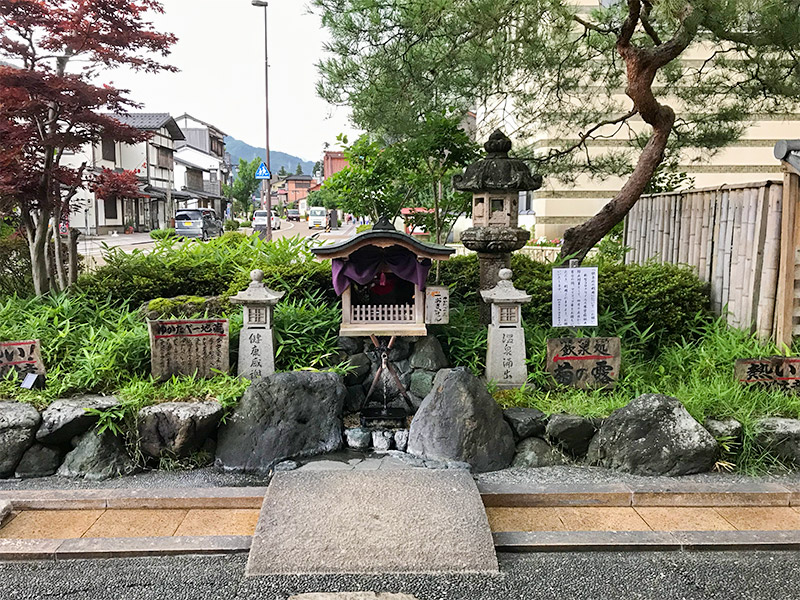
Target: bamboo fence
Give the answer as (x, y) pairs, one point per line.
(741, 239)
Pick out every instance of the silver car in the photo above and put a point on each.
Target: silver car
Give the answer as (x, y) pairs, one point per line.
(199, 223)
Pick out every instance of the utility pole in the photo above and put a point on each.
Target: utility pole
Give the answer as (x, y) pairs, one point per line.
(266, 186)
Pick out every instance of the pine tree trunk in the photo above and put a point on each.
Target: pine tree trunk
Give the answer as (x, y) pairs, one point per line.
(580, 239)
(641, 65)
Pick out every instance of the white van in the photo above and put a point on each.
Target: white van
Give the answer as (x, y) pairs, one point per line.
(317, 216)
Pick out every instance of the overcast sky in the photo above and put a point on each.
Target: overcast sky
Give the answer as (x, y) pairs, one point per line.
(220, 54)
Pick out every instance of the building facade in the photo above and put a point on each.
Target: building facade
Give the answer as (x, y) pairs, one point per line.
(153, 161)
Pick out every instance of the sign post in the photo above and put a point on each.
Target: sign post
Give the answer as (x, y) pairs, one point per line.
(263, 174)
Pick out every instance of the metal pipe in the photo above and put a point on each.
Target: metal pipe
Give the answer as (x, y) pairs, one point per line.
(267, 184)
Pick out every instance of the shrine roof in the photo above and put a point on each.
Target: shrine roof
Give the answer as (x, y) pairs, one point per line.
(383, 235)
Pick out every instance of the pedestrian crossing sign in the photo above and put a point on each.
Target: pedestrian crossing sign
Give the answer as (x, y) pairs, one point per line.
(263, 172)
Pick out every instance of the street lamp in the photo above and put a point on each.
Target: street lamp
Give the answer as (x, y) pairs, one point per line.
(267, 185)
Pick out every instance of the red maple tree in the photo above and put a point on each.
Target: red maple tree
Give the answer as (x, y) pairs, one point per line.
(51, 104)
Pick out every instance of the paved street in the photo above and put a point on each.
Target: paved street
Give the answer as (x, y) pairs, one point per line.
(92, 248)
(557, 576)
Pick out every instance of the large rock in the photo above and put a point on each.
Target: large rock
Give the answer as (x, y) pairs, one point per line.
(525, 422)
(571, 433)
(39, 461)
(421, 383)
(459, 420)
(387, 387)
(64, 419)
(653, 435)
(535, 452)
(282, 416)
(354, 399)
(18, 423)
(351, 345)
(360, 365)
(97, 457)
(176, 428)
(729, 429)
(779, 436)
(428, 355)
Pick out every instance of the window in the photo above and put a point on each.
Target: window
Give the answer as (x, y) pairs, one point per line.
(497, 204)
(109, 149)
(164, 158)
(302, 184)
(110, 208)
(194, 179)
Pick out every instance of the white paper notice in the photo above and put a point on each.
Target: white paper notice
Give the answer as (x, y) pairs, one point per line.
(575, 297)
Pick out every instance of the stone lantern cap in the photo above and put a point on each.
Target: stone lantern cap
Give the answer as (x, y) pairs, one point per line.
(497, 172)
(257, 293)
(505, 292)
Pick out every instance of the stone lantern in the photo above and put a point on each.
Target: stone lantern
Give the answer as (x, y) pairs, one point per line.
(495, 183)
(505, 354)
(256, 340)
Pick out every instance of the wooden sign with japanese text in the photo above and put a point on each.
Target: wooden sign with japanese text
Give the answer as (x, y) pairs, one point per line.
(575, 297)
(584, 362)
(437, 305)
(780, 372)
(184, 347)
(24, 357)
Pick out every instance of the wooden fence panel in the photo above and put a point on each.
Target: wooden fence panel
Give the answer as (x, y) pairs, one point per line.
(736, 238)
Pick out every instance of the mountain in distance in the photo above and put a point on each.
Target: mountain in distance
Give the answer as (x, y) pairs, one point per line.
(239, 149)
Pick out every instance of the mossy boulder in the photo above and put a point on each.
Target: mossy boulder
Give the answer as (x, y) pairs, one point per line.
(183, 307)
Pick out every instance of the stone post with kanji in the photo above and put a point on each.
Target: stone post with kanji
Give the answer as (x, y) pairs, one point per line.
(256, 340)
(505, 355)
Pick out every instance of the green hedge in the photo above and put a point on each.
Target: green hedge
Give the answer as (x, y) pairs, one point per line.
(218, 267)
(661, 297)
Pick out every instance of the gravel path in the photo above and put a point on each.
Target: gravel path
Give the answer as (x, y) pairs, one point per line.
(617, 576)
(207, 477)
(210, 477)
(598, 476)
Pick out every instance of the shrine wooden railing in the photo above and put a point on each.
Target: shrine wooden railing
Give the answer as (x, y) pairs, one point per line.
(382, 313)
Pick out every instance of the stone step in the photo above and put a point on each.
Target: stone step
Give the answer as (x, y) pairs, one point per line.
(408, 521)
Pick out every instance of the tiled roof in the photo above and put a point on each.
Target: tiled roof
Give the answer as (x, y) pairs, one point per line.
(152, 122)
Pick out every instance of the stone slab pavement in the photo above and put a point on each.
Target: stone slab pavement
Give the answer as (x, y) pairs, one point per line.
(406, 521)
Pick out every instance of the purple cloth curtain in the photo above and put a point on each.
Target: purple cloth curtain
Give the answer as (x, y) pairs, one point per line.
(363, 265)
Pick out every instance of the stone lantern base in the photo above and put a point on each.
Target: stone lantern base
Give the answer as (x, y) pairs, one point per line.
(494, 246)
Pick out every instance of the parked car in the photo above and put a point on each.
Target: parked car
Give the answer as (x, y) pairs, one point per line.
(201, 223)
(317, 217)
(292, 214)
(260, 220)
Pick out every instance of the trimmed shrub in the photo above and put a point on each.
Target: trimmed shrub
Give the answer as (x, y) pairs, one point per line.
(655, 296)
(232, 225)
(176, 268)
(296, 280)
(162, 234)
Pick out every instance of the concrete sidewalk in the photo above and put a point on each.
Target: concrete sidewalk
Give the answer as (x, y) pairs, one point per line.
(124, 522)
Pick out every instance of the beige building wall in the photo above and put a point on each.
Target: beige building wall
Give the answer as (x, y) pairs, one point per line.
(559, 205)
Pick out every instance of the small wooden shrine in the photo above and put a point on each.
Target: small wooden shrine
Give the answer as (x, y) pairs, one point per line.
(381, 276)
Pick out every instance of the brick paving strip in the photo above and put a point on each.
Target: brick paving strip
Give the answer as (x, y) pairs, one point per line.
(524, 518)
(676, 516)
